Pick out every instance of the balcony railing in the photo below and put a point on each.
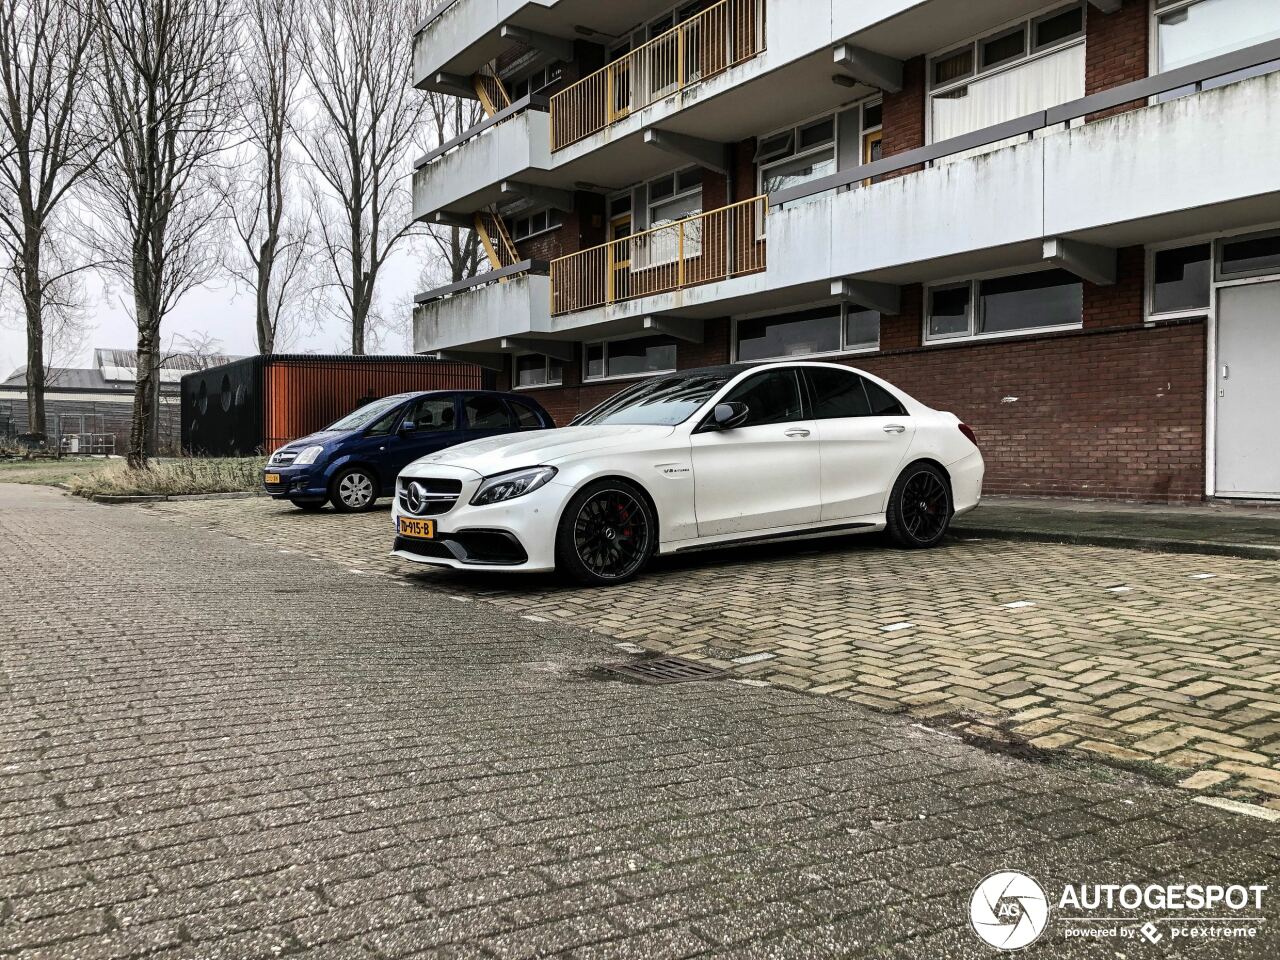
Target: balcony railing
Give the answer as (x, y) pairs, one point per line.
(724, 35)
(710, 246)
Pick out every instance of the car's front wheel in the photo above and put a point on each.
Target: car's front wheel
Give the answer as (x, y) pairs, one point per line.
(920, 507)
(354, 490)
(607, 534)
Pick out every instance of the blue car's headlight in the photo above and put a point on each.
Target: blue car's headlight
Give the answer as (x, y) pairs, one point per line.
(309, 455)
(508, 486)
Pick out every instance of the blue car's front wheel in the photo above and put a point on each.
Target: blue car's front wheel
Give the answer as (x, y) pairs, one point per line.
(353, 490)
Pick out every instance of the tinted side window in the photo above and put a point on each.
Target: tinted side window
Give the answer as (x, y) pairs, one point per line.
(772, 397)
(836, 394)
(488, 413)
(883, 403)
(525, 416)
(382, 426)
(432, 413)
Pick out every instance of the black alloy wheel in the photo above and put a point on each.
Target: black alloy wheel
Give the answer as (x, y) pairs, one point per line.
(607, 534)
(920, 507)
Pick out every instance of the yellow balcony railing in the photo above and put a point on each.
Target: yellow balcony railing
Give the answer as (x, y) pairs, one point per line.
(715, 245)
(725, 34)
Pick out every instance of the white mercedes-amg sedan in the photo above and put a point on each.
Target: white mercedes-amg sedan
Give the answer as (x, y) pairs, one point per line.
(688, 460)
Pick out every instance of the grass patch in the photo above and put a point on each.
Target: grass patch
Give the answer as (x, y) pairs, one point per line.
(188, 475)
(51, 472)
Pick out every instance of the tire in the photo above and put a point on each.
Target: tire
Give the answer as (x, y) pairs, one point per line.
(310, 506)
(920, 507)
(607, 534)
(354, 490)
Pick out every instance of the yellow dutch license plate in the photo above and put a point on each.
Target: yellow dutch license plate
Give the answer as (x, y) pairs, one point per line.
(271, 478)
(417, 529)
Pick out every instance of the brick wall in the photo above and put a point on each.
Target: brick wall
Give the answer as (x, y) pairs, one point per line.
(1117, 50)
(1124, 301)
(1112, 412)
(903, 113)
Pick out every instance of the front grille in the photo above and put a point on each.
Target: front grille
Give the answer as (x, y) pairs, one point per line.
(282, 458)
(440, 496)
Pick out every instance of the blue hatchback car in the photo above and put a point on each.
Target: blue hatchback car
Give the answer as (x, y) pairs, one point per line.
(354, 461)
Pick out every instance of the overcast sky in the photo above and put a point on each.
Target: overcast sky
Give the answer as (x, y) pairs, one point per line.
(219, 310)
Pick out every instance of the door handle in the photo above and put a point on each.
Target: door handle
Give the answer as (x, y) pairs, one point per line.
(894, 428)
(1226, 372)
(797, 432)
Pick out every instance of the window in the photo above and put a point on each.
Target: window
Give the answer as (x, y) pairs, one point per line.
(797, 155)
(771, 397)
(431, 413)
(538, 370)
(837, 328)
(536, 82)
(1033, 65)
(627, 358)
(883, 403)
(485, 412)
(527, 226)
(525, 415)
(948, 311)
(1047, 298)
(1188, 31)
(836, 394)
(662, 401)
(1007, 304)
(1249, 256)
(673, 197)
(1180, 279)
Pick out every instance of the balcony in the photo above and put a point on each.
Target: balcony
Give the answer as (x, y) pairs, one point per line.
(466, 173)
(511, 302)
(710, 246)
(722, 36)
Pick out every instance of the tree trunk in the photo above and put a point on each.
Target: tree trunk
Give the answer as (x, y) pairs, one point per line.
(146, 392)
(266, 329)
(33, 302)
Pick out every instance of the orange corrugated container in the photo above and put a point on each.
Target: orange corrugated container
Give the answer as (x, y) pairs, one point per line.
(259, 403)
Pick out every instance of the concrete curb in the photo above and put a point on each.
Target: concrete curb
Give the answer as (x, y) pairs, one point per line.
(1213, 548)
(159, 498)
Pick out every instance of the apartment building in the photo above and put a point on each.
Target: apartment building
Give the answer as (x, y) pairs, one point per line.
(1060, 220)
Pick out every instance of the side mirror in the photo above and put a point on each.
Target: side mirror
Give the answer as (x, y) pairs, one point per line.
(732, 414)
(408, 426)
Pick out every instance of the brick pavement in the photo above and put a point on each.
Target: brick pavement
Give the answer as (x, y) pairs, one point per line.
(212, 748)
(1160, 662)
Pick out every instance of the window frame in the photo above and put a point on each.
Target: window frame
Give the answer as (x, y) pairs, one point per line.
(974, 44)
(546, 366)
(1218, 276)
(1149, 312)
(793, 144)
(552, 214)
(604, 342)
(844, 350)
(973, 284)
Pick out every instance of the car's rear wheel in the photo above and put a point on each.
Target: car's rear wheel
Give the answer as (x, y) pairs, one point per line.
(354, 490)
(607, 534)
(920, 507)
(310, 506)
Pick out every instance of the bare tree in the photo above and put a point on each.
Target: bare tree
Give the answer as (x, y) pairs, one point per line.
(48, 143)
(273, 251)
(165, 82)
(201, 348)
(366, 115)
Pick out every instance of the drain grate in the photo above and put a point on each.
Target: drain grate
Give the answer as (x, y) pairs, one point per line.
(665, 670)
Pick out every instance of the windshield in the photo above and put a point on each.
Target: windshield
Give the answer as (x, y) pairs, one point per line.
(662, 402)
(358, 419)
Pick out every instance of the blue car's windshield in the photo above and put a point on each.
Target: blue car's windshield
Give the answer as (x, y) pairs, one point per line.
(663, 401)
(361, 418)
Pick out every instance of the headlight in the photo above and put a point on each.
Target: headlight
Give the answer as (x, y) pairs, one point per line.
(309, 455)
(508, 486)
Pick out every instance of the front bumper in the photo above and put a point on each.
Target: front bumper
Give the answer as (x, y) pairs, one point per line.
(515, 536)
(296, 483)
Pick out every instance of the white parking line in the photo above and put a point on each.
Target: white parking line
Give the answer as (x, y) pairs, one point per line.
(891, 627)
(753, 658)
(1119, 589)
(1235, 806)
(1018, 604)
(1202, 576)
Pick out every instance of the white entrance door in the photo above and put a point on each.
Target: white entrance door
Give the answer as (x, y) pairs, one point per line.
(1248, 391)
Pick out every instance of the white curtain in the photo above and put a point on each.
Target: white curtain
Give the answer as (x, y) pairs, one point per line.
(1036, 85)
